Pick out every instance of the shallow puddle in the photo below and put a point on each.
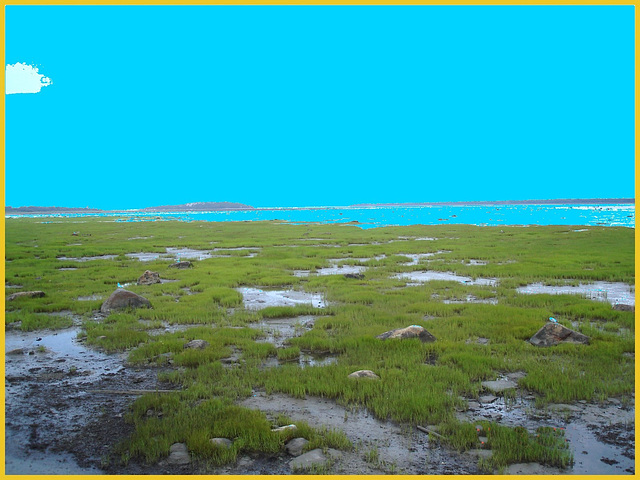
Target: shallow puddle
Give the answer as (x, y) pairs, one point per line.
(612, 292)
(428, 275)
(87, 259)
(188, 254)
(280, 330)
(256, 299)
(90, 297)
(305, 360)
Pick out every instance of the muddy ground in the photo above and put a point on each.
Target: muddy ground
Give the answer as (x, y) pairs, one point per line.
(66, 403)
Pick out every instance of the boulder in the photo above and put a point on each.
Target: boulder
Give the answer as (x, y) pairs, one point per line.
(196, 344)
(498, 386)
(179, 455)
(621, 307)
(364, 374)
(122, 298)
(185, 264)
(357, 276)
(412, 331)
(295, 446)
(149, 278)
(554, 333)
(314, 458)
(35, 294)
(222, 442)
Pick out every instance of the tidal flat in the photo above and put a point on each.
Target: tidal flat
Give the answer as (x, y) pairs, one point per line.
(239, 345)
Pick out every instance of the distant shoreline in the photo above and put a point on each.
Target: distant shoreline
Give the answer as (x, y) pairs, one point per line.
(220, 206)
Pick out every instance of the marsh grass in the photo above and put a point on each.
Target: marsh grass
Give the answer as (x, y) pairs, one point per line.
(419, 383)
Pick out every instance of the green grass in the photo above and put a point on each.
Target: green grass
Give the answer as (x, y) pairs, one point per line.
(419, 383)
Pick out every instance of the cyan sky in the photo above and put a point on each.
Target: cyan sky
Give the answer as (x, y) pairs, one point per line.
(327, 105)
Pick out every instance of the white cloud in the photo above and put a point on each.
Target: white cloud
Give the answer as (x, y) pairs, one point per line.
(23, 78)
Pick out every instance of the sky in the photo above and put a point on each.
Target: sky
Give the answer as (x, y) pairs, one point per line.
(140, 106)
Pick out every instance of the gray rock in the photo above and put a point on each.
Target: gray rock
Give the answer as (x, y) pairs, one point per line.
(295, 446)
(412, 331)
(621, 307)
(196, 344)
(222, 442)
(364, 374)
(179, 455)
(357, 276)
(149, 278)
(488, 398)
(312, 458)
(479, 452)
(17, 351)
(554, 333)
(34, 294)
(185, 264)
(473, 405)
(121, 299)
(498, 386)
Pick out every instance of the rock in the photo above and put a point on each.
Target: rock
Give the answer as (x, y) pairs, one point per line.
(554, 333)
(179, 454)
(357, 276)
(35, 294)
(149, 278)
(196, 344)
(413, 331)
(621, 307)
(312, 458)
(473, 405)
(17, 351)
(185, 264)
(364, 374)
(498, 386)
(488, 398)
(478, 452)
(284, 428)
(122, 298)
(295, 446)
(222, 442)
(483, 341)
(531, 469)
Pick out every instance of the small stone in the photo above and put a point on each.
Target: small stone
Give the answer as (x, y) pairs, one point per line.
(295, 446)
(222, 442)
(364, 374)
(179, 455)
(196, 344)
(412, 331)
(184, 264)
(149, 278)
(483, 440)
(17, 351)
(35, 294)
(312, 458)
(488, 399)
(284, 428)
(473, 405)
(498, 386)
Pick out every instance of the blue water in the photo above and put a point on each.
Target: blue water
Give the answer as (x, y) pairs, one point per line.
(583, 215)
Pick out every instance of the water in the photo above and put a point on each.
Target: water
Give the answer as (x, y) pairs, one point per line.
(590, 215)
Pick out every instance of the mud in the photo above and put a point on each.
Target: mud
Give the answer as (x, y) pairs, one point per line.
(425, 276)
(612, 292)
(62, 416)
(256, 299)
(401, 450)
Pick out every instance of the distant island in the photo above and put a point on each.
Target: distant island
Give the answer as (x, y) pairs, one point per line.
(232, 206)
(557, 201)
(186, 207)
